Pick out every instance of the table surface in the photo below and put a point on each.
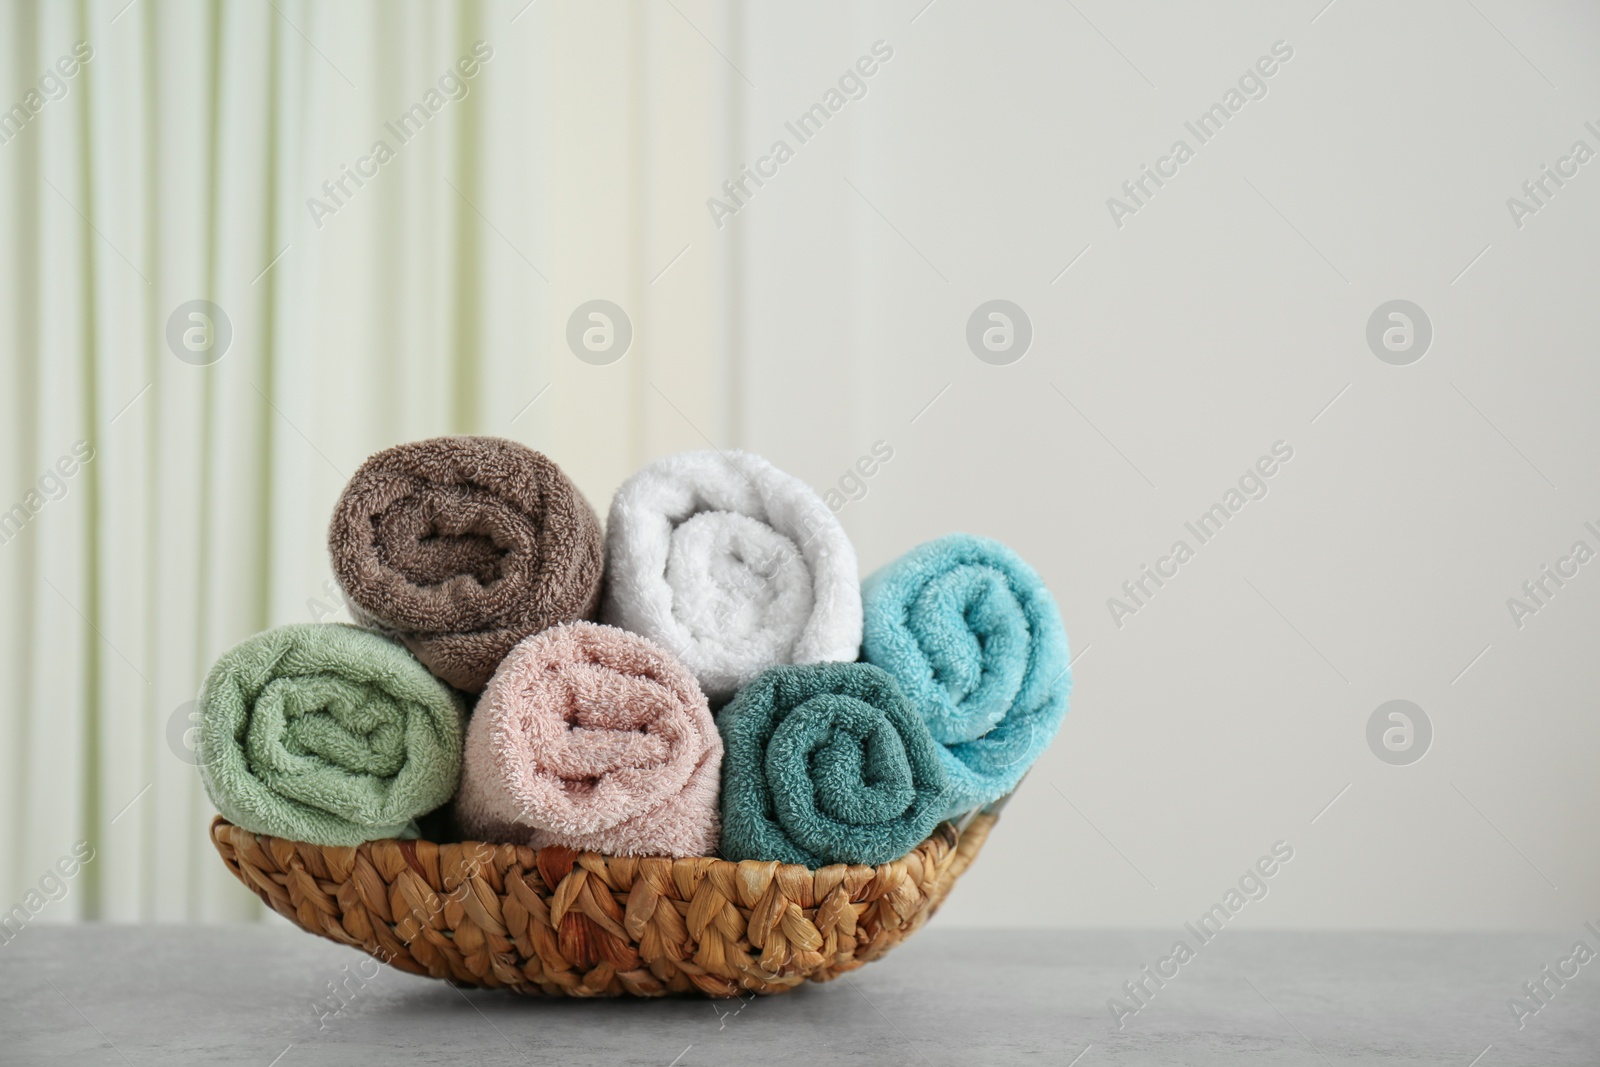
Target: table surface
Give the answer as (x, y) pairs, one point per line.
(246, 994)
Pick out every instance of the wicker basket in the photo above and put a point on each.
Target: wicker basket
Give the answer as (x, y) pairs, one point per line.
(575, 924)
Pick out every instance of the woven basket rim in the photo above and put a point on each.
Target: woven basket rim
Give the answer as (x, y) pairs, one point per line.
(948, 831)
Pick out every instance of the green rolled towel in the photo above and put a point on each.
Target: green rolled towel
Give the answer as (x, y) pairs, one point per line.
(327, 734)
(827, 763)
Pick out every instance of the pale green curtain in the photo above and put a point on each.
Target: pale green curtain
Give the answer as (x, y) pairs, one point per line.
(176, 165)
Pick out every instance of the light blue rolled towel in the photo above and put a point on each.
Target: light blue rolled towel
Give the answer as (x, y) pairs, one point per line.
(975, 640)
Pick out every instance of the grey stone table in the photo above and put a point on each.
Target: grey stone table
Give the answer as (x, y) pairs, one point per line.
(256, 995)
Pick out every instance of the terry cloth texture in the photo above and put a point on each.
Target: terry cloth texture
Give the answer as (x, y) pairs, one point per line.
(327, 734)
(975, 640)
(594, 738)
(827, 763)
(463, 546)
(733, 566)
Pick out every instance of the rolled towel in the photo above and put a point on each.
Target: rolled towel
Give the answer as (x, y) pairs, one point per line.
(827, 763)
(461, 547)
(594, 738)
(327, 734)
(975, 640)
(733, 566)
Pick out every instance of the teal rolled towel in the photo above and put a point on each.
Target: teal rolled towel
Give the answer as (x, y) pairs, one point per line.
(826, 763)
(976, 642)
(327, 734)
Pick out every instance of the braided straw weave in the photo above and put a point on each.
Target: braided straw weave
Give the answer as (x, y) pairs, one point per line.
(576, 924)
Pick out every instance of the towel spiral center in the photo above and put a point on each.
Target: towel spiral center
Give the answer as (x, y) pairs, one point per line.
(974, 633)
(734, 575)
(441, 533)
(600, 723)
(847, 754)
(583, 728)
(302, 724)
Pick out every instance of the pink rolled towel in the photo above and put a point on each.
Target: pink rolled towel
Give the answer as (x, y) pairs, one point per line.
(597, 739)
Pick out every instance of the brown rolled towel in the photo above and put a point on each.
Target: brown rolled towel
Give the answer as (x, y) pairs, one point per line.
(462, 546)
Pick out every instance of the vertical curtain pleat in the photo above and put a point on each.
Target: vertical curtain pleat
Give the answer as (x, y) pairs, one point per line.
(19, 387)
(63, 745)
(171, 418)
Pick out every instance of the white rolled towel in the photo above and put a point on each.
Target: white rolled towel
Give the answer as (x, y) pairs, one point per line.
(732, 565)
